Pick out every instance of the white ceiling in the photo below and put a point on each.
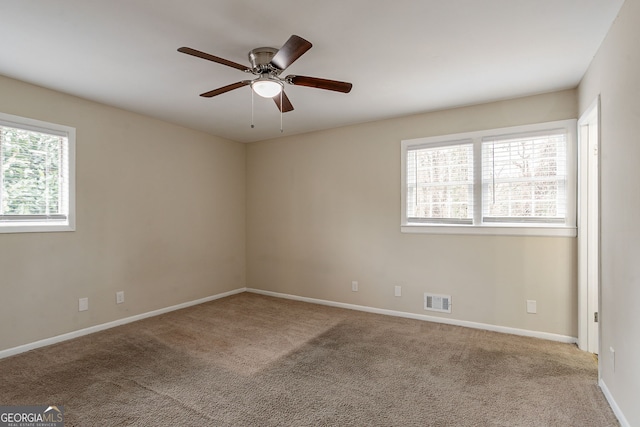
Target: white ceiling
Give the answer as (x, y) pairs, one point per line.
(402, 56)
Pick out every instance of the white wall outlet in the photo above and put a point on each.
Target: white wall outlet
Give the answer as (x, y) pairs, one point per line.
(83, 304)
(532, 306)
(119, 297)
(397, 291)
(354, 286)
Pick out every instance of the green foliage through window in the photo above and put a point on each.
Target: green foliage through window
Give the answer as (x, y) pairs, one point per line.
(31, 174)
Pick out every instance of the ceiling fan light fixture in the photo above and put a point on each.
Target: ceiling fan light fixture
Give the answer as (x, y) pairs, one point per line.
(266, 88)
(267, 63)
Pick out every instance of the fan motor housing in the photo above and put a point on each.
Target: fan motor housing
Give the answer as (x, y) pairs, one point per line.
(261, 57)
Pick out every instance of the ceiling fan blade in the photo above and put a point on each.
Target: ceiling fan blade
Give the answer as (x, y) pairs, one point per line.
(286, 104)
(293, 49)
(219, 60)
(225, 89)
(334, 85)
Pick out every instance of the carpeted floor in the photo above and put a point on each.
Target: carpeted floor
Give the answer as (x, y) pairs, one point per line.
(252, 360)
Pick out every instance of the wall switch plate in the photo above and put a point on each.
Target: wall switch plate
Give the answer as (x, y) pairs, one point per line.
(354, 286)
(83, 304)
(397, 291)
(119, 297)
(613, 358)
(532, 306)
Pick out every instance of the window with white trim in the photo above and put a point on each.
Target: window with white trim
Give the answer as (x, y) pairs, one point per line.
(519, 180)
(36, 175)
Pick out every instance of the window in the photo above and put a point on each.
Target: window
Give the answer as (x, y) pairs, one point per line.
(524, 178)
(36, 176)
(519, 180)
(440, 183)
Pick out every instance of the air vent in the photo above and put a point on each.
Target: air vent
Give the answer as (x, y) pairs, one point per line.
(435, 302)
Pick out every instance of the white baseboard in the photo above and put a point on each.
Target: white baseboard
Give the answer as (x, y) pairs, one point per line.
(614, 405)
(101, 327)
(465, 323)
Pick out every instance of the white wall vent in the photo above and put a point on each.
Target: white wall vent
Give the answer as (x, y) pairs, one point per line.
(435, 302)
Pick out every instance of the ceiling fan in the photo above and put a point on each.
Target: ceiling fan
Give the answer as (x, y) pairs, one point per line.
(268, 63)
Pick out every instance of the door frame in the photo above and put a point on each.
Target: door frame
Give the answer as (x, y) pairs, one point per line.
(589, 228)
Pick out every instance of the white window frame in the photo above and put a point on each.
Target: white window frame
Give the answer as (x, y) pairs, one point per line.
(50, 224)
(567, 229)
(409, 188)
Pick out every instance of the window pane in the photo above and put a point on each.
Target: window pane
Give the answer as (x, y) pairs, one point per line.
(524, 178)
(440, 184)
(31, 174)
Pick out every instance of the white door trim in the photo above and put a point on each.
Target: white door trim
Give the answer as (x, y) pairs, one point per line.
(588, 228)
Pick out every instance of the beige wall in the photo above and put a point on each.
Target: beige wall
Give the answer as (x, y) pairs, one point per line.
(615, 75)
(160, 215)
(323, 209)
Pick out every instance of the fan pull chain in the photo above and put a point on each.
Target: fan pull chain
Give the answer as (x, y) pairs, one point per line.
(281, 108)
(252, 126)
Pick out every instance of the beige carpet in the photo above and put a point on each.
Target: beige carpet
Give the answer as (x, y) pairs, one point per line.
(251, 360)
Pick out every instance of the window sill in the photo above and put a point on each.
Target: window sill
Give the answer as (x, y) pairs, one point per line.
(491, 230)
(36, 227)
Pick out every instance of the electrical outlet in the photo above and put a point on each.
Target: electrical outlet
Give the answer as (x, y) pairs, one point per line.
(354, 286)
(83, 304)
(119, 297)
(397, 291)
(532, 306)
